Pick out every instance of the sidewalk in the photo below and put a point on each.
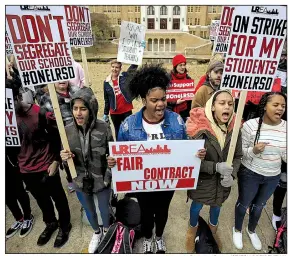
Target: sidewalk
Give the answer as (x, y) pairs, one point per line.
(174, 234)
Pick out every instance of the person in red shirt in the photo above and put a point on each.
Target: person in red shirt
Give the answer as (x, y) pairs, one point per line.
(118, 101)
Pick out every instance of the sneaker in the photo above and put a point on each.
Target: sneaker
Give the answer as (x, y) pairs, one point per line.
(276, 221)
(62, 237)
(27, 226)
(148, 246)
(238, 239)
(14, 229)
(47, 233)
(70, 187)
(160, 245)
(96, 239)
(255, 240)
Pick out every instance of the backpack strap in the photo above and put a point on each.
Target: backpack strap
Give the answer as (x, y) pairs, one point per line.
(278, 236)
(119, 238)
(132, 235)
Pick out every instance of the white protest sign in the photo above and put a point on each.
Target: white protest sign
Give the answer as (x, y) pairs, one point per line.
(214, 28)
(79, 25)
(11, 129)
(130, 49)
(155, 165)
(222, 39)
(8, 46)
(255, 46)
(40, 43)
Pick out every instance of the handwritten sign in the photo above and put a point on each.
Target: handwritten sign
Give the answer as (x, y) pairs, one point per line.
(130, 48)
(155, 165)
(79, 25)
(255, 47)
(11, 130)
(180, 89)
(40, 43)
(214, 28)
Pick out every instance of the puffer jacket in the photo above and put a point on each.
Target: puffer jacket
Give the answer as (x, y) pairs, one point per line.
(209, 191)
(92, 157)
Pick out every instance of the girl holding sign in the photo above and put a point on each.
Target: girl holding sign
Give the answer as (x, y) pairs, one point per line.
(214, 123)
(152, 122)
(264, 148)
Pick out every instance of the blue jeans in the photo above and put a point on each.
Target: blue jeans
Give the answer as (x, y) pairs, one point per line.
(195, 208)
(254, 192)
(88, 203)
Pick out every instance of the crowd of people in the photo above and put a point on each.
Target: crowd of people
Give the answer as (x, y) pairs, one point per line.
(259, 162)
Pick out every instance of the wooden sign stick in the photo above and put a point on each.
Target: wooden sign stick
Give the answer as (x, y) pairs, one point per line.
(86, 69)
(237, 126)
(60, 127)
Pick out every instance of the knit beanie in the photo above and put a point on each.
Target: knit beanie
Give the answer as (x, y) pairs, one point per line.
(178, 59)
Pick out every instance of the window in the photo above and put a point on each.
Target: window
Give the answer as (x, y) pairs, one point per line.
(163, 10)
(105, 8)
(130, 8)
(131, 19)
(161, 45)
(118, 8)
(176, 23)
(173, 45)
(190, 8)
(114, 9)
(197, 8)
(196, 21)
(119, 21)
(189, 21)
(137, 20)
(113, 34)
(109, 8)
(176, 10)
(150, 10)
(163, 23)
(212, 9)
(150, 23)
(150, 45)
(137, 8)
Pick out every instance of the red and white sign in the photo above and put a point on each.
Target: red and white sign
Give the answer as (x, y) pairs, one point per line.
(79, 25)
(255, 46)
(40, 42)
(11, 129)
(180, 89)
(144, 166)
(222, 39)
(214, 28)
(8, 46)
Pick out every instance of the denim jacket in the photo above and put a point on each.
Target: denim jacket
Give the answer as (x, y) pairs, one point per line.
(109, 93)
(132, 129)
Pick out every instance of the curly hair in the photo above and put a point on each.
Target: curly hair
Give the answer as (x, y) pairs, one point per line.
(261, 110)
(147, 78)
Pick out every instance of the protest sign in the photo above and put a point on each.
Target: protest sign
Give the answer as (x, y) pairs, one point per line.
(222, 39)
(79, 25)
(180, 89)
(214, 28)
(144, 166)
(11, 129)
(8, 46)
(40, 43)
(255, 46)
(130, 43)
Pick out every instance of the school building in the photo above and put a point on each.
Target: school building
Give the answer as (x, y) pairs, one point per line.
(170, 29)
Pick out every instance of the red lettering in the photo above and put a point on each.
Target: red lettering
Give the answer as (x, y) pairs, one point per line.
(29, 33)
(227, 14)
(44, 28)
(146, 173)
(59, 25)
(20, 30)
(9, 115)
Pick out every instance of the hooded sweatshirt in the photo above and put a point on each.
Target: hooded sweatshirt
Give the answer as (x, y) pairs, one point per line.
(201, 125)
(91, 146)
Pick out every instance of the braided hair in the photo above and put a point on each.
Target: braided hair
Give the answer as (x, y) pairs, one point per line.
(261, 110)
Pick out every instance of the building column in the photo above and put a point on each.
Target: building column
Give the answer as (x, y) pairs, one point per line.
(164, 45)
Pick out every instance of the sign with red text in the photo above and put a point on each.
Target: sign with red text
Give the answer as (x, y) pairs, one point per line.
(40, 43)
(214, 28)
(11, 129)
(180, 89)
(130, 49)
(255, 46)
(222, 39)
(79, 25)
(8, 46)
(144, 166)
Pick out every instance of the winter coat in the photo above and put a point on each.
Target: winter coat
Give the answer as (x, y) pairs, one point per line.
(92, 156)
(202, 95)
(209, 191)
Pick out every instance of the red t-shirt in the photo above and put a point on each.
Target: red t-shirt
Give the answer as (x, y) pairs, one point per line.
(36, 153)
(122, 105)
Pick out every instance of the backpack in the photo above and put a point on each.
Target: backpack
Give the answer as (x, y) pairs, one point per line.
(204, 240)
(280, 243)
(118, 239)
